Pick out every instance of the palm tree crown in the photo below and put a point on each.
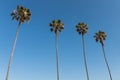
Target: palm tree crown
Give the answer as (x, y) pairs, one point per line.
(82, 28)
(56, 26)
(100, 36)
(21, 14)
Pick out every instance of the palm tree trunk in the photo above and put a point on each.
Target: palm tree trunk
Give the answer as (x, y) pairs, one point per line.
(106, 62)
(85, 58)
(12, 53)
(57, 56)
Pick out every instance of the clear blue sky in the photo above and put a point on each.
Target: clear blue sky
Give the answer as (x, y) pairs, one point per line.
(34, 57)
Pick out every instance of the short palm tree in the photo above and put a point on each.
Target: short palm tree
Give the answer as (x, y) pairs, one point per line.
(56, 26)
(22, 15)
(100, 36)
(82, 29)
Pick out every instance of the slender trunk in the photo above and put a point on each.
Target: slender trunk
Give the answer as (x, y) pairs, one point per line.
(12, 53)
(106, 62)
(85, 58)
(57, 56)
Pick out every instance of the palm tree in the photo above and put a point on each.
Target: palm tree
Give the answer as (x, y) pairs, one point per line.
(82, 29)
(100, 36)
(21, 15)
(56, 26)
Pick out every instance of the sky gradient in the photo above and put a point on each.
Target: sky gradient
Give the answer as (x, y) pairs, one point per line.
(34, 57)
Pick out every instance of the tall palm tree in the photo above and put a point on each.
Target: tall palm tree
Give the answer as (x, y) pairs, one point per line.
(82, 29)
(100, 36)
(22, 15)
(56, 26)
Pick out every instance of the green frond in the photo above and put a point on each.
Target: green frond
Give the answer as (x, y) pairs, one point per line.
(59, 21)
(21, 7)
(77, 30)
(12, 14)
(61, 28)
(79, 23)
(50, 24)
(96, 39)
(51, 29)
(76, 26)
(79, 33)
(53, 21)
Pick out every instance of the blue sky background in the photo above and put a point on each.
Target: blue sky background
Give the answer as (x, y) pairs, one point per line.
(34, 57)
